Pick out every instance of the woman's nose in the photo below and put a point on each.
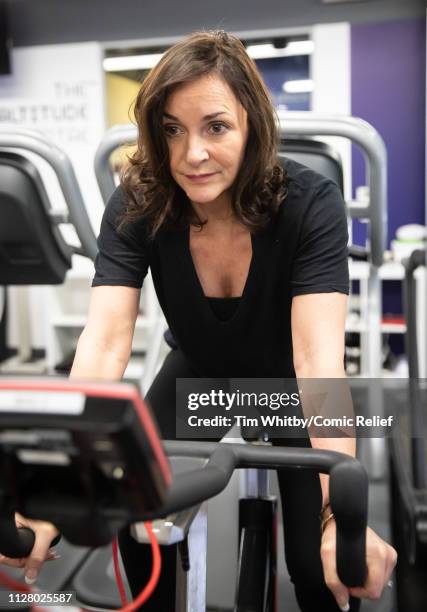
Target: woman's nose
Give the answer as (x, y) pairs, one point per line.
(197, 151)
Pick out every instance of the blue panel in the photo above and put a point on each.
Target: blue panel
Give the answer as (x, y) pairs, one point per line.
(276, 71)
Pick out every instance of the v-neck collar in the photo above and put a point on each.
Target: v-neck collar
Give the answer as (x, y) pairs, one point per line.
(199, 289)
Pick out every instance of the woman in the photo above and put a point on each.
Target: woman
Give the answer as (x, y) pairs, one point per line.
(249, 261)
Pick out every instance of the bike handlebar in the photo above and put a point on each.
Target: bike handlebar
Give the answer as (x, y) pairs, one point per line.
(348, 489)
(348, 493)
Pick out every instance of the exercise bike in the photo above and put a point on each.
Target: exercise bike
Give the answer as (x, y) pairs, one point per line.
(88, 458)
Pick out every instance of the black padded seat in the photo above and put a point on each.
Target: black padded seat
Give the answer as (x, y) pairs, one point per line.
(316, 155)
(32, 249)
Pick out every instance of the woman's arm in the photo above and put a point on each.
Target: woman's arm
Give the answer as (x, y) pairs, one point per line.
(318, 326)
(105, 345)
(318, 334)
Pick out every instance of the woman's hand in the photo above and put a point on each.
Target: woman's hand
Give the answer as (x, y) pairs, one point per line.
(44, 534)
(380, 558)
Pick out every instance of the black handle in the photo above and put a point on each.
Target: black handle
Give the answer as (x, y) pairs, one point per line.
(17, 542)
(195, 486)
(358, 252)
(348, 490)
(416, 259)
(416, 407)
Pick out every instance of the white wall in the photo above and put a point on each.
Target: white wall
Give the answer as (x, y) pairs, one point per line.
(331, 72)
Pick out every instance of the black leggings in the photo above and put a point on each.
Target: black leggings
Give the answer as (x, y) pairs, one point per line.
(301, 500)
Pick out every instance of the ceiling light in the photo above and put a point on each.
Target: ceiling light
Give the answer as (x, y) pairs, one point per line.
(297, 47)
(131, 62)
(261, 51)
(300, 86)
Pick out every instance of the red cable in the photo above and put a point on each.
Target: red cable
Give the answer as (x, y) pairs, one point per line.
(13, 584)
(117, 574)
(155, 573)
(127, 607)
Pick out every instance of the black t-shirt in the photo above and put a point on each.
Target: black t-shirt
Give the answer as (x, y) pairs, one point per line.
(303, 250)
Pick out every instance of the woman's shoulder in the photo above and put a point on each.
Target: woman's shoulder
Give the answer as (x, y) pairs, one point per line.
(306, 187)
(304, 180)
(117, 202)
(312, 200)
(115, 219)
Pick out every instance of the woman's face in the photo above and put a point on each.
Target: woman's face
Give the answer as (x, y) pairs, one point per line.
(206, 131)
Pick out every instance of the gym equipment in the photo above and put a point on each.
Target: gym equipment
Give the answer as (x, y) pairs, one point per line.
(86, 457)
(32, 248)
(98, 446)
(408, 460)
(32, 251)
(408, 450)
(17, 195)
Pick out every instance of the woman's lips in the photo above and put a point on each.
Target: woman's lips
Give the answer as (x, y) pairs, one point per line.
(199, 178)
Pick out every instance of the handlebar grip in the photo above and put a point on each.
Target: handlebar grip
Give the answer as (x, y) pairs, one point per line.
(193, 487)
(358, 252)
(416, 259)
(15, 542)
(348, 491)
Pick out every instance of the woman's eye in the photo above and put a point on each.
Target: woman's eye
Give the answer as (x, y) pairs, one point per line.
(218, 128)
(171, 130)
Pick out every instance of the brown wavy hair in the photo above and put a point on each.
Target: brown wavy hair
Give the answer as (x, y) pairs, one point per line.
(260, 185)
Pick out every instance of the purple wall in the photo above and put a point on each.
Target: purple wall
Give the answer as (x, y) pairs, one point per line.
(388, 71)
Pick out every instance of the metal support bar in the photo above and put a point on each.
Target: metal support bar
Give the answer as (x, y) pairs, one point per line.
(373, 328)
(115, 137)
(363, 134)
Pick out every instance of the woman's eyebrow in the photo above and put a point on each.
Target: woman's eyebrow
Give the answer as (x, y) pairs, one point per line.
(205, 118)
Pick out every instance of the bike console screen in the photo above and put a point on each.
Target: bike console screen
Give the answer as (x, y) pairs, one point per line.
(85, 456)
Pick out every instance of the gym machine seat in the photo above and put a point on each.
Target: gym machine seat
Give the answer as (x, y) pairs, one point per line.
(316, 155)
(32, 249)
